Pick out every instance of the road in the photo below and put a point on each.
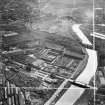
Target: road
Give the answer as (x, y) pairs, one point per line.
(74, 92)
(56, 93)
(98, 35)
(80, 34)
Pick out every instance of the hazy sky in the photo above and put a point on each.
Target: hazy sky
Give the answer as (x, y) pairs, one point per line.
(72, 3)
(76, 3)
(100, 3)
(66, 6)
(61, 7)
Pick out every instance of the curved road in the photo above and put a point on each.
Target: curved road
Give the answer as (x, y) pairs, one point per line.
(74, 92)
